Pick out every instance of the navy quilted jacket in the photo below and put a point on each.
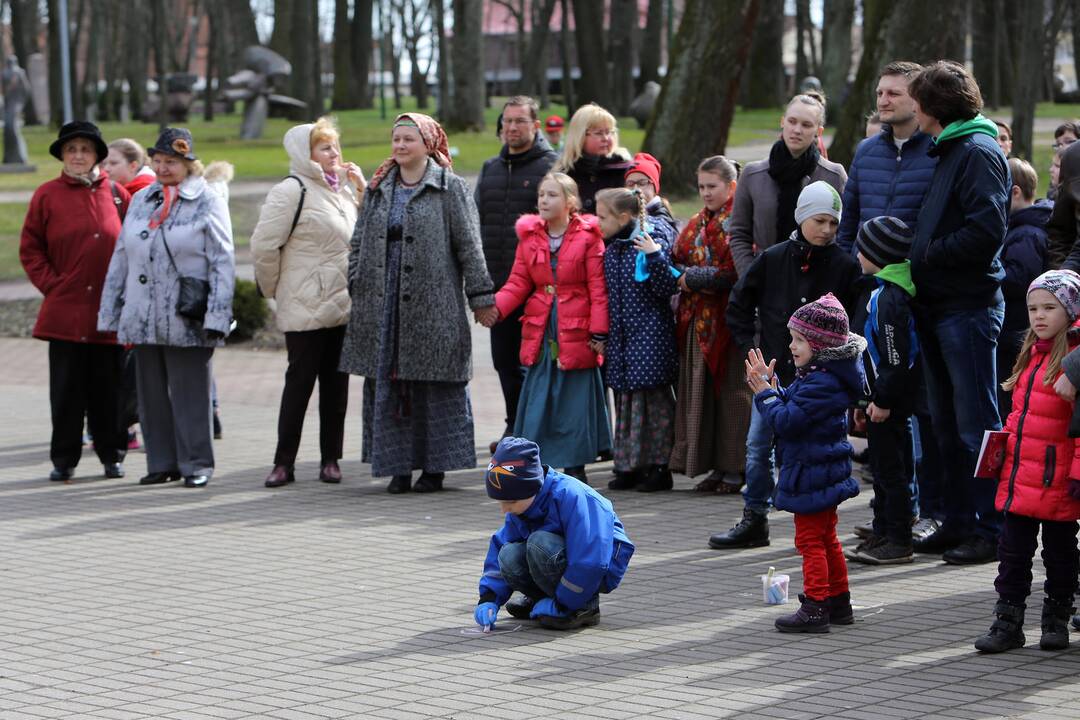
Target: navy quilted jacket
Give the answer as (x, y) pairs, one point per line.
(640, 351)
(809, 418)
(884, 181)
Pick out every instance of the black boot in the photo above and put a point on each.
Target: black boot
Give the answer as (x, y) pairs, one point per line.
(1006, 632)
(577, 471)
(520, 607)
(811, 617)
(658, 478)
(1055, 624)
(624, 480)
(751, 531)
(429, 482)
(840, 612)
(399, 484)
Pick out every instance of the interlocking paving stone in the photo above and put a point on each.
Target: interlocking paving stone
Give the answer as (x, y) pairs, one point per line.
(316, 601)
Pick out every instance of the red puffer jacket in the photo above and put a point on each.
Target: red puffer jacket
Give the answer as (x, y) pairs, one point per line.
(67, 242)
(580, 290)
(1040, 457)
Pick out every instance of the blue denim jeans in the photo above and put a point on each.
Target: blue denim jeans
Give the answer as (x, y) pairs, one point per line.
(760, 483)
(928, 470)
(534, 567)
(958, 351)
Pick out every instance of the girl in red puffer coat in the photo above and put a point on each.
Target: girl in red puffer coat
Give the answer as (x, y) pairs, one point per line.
(1040, 480)
(559, 274)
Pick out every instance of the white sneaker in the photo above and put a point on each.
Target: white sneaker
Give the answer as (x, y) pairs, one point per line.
(924, 528)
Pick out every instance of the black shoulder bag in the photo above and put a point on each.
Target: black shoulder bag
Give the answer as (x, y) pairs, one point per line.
(295, 220)
(194, 292)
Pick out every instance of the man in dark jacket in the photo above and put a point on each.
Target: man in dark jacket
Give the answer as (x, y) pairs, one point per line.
(959, 306)
(780, 280)
(891, 171)
(506, 190)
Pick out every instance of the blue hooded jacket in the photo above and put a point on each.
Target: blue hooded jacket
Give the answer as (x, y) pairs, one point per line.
(597, 548)
(885, 181)
(809, 419)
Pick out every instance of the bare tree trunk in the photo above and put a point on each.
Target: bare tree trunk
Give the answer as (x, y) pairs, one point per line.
(136, 55)
(343, 96)
(1026, 92)
(765, 85)
(442, 70)
(939, 34)
(25, 34)
(836, 46)
(535, 67)
(281, 39)
(693, 115)
(213, 54)
(467, 103)
(802, 20)
(851, 121)
(652, 44)
(624, 21)
(985, 53)
(392, 51)
(1076, 36)
(564, 55)
(361, 32)
(591, 55)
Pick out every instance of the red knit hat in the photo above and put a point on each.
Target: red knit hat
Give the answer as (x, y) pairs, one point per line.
(648, 166)
(553, 122)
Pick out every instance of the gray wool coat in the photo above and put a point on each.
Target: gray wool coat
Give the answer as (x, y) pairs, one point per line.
(442, 265)
(141, 287)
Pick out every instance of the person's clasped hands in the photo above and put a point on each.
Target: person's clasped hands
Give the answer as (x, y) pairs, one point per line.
(486, 316)
(759, 375)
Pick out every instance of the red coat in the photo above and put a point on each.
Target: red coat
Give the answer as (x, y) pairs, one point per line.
(1040, 457)
(66, 245)
(581, 293)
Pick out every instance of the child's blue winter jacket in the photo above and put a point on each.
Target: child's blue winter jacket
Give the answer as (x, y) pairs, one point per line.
(597, 548)
(809, 418)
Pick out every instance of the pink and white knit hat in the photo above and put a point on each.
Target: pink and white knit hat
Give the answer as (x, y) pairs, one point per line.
(1063, 285)
(823, 322)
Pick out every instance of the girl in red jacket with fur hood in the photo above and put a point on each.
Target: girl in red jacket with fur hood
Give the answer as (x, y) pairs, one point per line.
(559, 274)
(1040, 480)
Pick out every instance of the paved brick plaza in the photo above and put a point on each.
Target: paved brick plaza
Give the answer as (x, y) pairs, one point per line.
(316, 601)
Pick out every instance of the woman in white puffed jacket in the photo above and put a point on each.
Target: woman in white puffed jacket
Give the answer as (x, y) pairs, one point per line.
(304, 268)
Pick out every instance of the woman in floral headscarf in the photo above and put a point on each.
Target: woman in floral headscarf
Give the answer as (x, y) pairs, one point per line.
(415, 248)
(713, 405)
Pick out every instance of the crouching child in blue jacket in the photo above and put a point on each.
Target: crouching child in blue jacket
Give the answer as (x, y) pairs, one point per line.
(561, 545)
(809, 419)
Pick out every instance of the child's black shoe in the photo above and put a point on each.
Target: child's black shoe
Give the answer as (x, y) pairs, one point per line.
(811, 617)
(1006, 632)
(840, 612)
(520, 607)
(1055, 624)
(584, 617)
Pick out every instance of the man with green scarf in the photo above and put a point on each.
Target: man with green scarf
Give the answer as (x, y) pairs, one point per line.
(959, 307)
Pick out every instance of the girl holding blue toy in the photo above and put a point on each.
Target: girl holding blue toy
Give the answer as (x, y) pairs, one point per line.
(640, 359)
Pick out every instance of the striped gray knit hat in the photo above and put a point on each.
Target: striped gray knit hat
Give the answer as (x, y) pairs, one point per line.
(884, 240)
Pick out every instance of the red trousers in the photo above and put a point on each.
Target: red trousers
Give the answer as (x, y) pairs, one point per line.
(823, 565)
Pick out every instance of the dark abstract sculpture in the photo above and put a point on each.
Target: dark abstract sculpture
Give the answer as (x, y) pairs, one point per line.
(642, 106)
(264, 71)
(16, 93)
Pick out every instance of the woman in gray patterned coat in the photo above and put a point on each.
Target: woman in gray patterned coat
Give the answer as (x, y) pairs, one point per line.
(415, 247)
(175, 227)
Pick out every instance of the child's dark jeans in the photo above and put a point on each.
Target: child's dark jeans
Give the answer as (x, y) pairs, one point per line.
(535, 567)
(824, 567)
(1016, 550)
(893, 463)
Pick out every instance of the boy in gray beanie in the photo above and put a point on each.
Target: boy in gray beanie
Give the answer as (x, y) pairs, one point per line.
(782, 279)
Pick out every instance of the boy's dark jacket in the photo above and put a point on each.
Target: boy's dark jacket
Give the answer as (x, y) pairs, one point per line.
(885, 320)
(1023, 256)
(782, 279)
(597, 548)
(809, 418)
(962, 223)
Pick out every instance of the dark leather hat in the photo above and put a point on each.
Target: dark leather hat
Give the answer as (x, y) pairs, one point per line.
(79, 129)
(175, 141)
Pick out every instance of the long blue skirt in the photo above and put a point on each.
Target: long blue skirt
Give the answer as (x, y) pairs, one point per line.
(563, 411)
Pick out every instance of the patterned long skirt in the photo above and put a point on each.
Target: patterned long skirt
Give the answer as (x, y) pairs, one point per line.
(644, 427)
